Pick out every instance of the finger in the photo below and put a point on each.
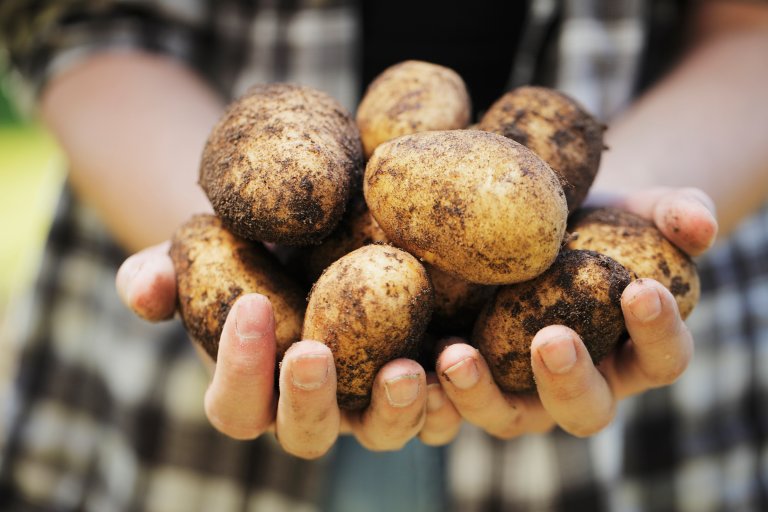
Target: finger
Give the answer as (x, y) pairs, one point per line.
(660, 345)
(307, 412)
(443, 421)
(571, 389)
(468, 382)
(146, 283)
(686, 216)
(397, 409)
(240, 399)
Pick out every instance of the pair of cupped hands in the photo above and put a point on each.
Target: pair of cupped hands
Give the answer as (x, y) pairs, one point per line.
(573, 393)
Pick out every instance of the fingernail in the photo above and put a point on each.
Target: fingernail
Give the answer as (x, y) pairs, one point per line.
(701, 198)
(558, 354)
(310, 371)
(463, 374)
(127, 276)
(435, 397)
(403, 390)
(645, 305)
(250, 321)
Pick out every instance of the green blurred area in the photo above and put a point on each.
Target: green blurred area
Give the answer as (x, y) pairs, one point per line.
(30, 177)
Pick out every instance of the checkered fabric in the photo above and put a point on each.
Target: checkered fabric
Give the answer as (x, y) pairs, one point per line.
(106, 410)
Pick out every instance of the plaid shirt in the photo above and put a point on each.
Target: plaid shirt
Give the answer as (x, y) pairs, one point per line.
(106, 410)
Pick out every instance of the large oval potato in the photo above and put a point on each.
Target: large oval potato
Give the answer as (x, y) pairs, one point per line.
(409, 97)
(474, 204)
(281, 163)
(214, 267)
(370, 307)
(638, 244)
(557, 128)
(581, 290)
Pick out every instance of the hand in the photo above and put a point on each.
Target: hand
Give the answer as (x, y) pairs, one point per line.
(572, 392)
(241, 401)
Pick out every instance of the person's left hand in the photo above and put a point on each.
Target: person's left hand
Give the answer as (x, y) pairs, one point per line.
(572, 392)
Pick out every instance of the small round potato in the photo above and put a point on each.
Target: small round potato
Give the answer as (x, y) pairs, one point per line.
(474, 204)
(457, 302)
(370, 307)
(281, 163)
(557, 129)
(214, 267)
(637, 244)
(409, 97)
(581, 290)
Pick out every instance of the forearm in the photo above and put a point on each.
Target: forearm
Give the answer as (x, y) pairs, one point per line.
(705, 125)
(133, 127)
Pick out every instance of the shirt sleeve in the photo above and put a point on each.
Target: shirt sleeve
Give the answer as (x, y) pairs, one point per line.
(44, 38)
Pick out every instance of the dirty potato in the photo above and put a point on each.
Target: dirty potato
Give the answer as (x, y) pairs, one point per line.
(457, 302)
(214, 268)
(409, 97)
(370, 307)
(474, 204)
(581, 290)
(637, 244)
(281, 163)
(557, 129)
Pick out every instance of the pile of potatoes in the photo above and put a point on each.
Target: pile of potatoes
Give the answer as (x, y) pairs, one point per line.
(410, 224)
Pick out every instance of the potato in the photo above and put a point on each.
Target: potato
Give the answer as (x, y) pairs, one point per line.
(637, 244)
(457, 302)
(356, 229)
(410, 97)
(474, 204)
(370, 307)
(581, 290)
(281, 163)
(214, 268)
(557, 129)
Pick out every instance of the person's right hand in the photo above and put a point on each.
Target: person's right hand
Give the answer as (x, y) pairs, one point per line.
(241, 401)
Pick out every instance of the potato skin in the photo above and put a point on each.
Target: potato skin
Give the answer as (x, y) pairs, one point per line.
(581, 290)
(409, 97)
(637, 244)
(214, 267)
(280, 165)
(370, 307)
(474, 204)
(555, 127)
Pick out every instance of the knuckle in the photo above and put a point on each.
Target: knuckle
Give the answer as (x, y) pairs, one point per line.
(506, 432)
(244, 366)
(588, 428)
(570, 391)
(234, 425)
(440, 433)
(377, 443)
(437, 438)
(666, 375)
(508, 428)
(309, 451)
(667, 368)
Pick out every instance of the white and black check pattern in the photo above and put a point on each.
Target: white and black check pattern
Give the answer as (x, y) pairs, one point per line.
(107, 410)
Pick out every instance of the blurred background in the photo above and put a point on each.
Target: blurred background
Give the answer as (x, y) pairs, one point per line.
(31, 171)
